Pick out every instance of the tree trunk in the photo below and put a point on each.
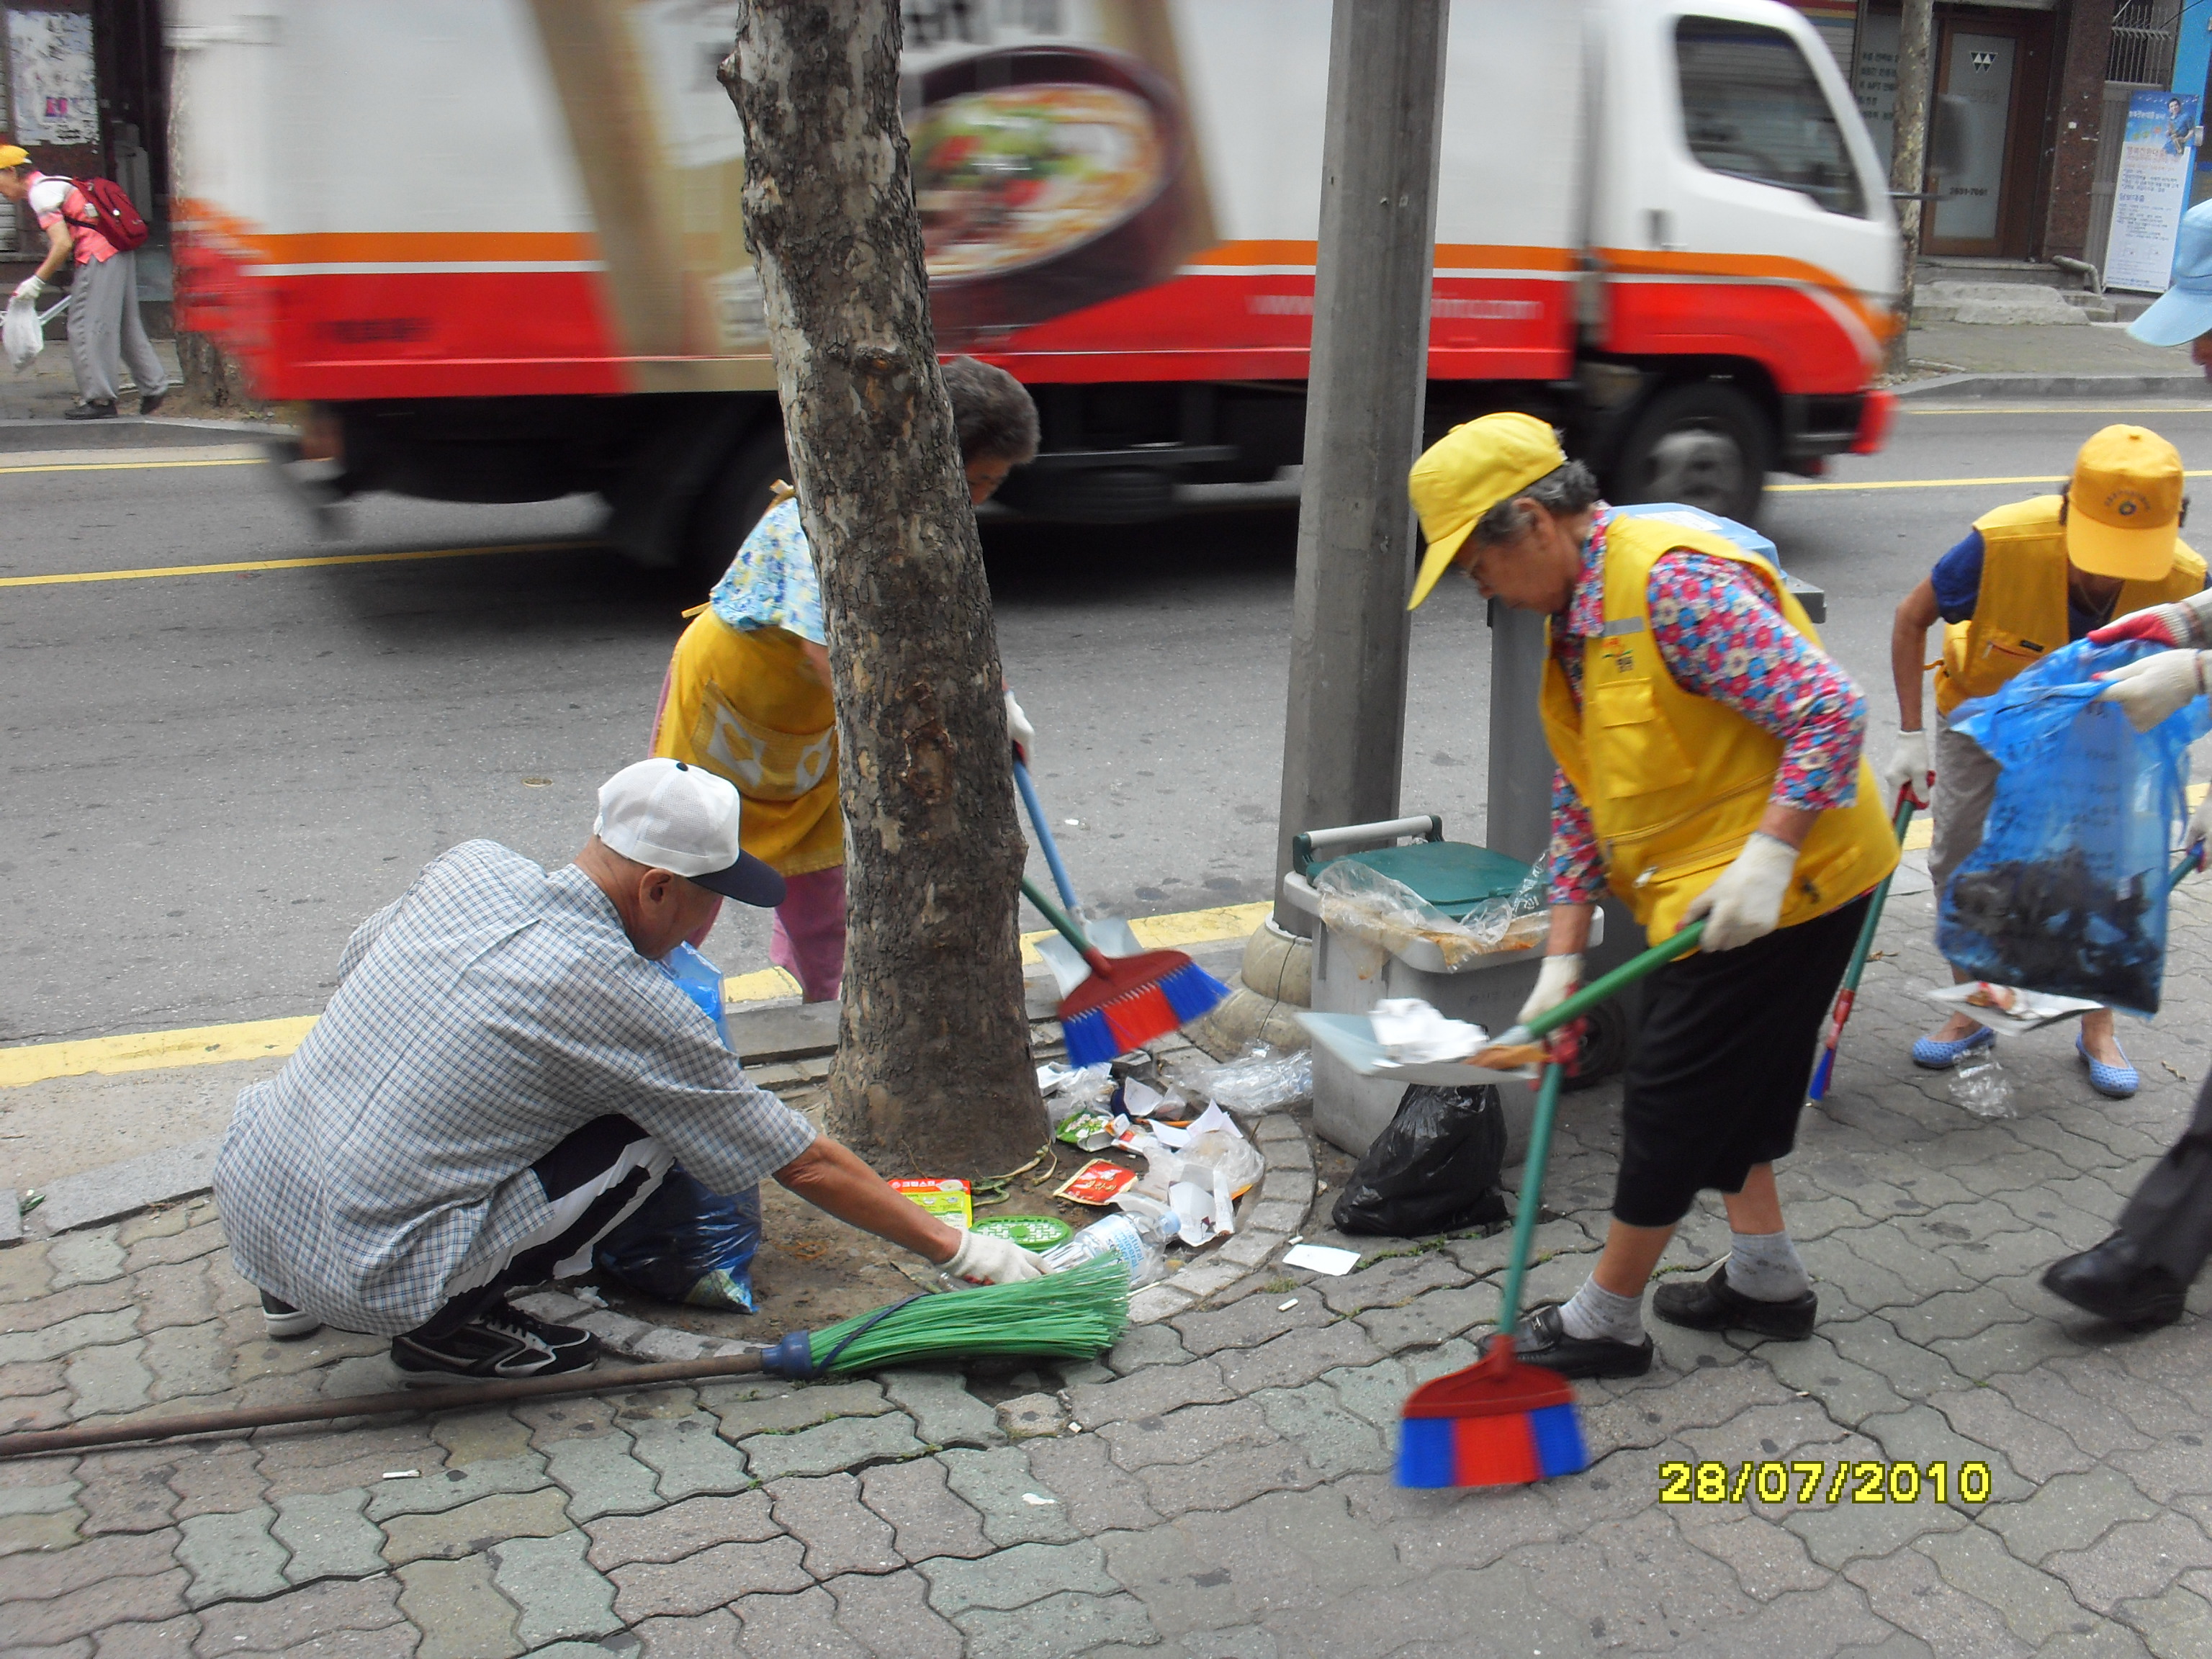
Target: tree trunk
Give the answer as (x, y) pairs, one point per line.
(934, 1072)
(1908, 157)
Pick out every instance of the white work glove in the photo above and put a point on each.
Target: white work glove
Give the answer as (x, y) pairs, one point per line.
(2195, 838)
(1746, 902)
(1908, 772)
(2150, 691)
(1019, 729)
(2187, 622)
(989, 1260)
(1555, 982)
(30, 287)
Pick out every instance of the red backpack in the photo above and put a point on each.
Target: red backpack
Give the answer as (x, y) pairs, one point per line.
(112, 215)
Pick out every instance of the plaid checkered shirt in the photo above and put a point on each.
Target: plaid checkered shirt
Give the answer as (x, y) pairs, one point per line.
(483, 1017)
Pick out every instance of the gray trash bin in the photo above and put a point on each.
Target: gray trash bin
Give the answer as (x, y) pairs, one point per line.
(1455, 877)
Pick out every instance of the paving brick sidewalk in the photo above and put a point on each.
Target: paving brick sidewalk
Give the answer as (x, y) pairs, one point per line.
(1227, 1495)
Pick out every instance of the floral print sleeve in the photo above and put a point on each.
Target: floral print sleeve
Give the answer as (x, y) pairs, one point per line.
(1721, 638)
(1577, 871)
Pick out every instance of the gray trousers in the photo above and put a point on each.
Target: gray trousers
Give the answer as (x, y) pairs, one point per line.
(105, 331)
(2170, 1217)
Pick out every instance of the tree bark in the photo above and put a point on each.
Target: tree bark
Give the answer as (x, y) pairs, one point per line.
(1908, 157)
(934, 1072)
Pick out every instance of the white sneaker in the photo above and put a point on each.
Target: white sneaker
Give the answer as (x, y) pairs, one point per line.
(284, 1322)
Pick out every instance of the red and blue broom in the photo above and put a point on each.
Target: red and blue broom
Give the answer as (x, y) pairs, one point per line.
(1127, 1001)
(1498, 1423)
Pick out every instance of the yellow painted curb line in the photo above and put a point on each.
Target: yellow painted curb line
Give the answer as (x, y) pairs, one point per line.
(136, 466)
(1933, 484)
(212, 1045)
(149, 1051)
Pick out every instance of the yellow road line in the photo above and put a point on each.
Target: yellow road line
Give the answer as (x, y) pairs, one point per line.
(212, 1045)
(1937, 484)
(136, 466)
(288, 564)
(2063, 408)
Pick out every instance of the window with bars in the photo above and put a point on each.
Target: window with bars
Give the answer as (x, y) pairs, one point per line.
(2144, 32)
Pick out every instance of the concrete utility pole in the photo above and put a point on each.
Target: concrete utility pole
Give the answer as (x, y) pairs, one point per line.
(1908, 153)
(1344, 738)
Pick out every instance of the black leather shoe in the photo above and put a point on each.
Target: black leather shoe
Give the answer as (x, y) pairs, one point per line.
(1540, 1340)
(2114, 1282)
(1715, 1305)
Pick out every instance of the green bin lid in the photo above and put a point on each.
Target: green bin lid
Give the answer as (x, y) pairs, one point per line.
(1455, 876)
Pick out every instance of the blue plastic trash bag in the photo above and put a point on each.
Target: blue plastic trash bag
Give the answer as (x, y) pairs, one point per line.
(687, 1244)
(684, 1243)
(2066, 894)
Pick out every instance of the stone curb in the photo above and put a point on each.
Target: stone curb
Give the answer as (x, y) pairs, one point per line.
(2054, 386)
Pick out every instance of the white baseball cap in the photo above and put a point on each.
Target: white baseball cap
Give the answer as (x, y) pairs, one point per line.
(673, 816)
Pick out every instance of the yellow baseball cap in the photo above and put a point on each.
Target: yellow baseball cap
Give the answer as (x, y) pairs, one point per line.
(1467, 471)
(13, 155)
(2124, 506)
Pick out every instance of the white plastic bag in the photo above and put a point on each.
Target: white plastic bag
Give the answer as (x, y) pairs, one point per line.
(21, 333)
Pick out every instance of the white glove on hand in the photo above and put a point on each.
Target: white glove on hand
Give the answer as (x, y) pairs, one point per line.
(2187, 622)
(2195, 838)
(989, 1260)
(1555, 983)
(2150, 691)
(1908, 772)
(29, 288)
(1019, 729)
(1746, 902)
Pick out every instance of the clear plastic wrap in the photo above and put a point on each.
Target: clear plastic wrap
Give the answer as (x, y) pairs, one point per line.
(1259, 1079)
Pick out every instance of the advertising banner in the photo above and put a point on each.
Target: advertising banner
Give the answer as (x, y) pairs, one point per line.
(2156, 158)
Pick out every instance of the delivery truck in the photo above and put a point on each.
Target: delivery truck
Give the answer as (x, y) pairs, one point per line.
(494, 247)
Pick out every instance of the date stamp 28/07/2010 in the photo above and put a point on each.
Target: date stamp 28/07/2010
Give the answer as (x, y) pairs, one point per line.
(1824, 1480)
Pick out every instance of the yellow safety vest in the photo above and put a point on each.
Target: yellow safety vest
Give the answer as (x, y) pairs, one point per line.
(1675, 783)
(2020, 613)
(742, 703)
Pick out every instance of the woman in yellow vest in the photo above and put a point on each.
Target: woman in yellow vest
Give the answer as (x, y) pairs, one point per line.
(2028, 579)
(1709, 765)
(747, 693)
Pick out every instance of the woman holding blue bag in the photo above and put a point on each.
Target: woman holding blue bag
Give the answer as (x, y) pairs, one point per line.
(2028, 579)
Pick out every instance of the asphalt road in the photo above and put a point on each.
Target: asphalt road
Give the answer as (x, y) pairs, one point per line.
(212, 778)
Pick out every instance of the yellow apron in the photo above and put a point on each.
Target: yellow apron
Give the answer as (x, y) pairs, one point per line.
(743, 703)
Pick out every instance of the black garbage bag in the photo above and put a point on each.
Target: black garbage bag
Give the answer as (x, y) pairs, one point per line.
(686, 1244)
(1434, 1170)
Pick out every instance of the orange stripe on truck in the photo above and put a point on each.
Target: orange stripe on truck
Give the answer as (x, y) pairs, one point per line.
(1451, 256)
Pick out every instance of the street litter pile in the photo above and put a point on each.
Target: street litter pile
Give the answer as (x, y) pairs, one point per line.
(2009, 1008)
(1196, 1161)
(2066, 895)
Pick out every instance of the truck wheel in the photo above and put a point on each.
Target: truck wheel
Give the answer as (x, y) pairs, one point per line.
(732, 505)
(1704, 446)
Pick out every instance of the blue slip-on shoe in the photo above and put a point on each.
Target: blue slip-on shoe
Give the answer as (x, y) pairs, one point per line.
(1931, 1055)
(2114, 1082)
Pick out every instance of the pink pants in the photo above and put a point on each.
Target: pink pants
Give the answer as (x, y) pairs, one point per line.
(808, 940)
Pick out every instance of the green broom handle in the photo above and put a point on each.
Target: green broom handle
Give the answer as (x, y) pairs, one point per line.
(1067, 928)
(1626, 975)
(1532, 1193)
(1865, 946)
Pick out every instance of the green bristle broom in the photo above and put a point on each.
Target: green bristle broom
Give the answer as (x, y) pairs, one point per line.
(1074, 1315)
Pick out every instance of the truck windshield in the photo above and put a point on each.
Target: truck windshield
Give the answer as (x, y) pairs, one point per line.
(1751, 109)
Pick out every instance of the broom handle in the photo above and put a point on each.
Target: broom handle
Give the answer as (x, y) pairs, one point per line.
(1046, 844)
(1626, 975)
(169, 1425)
(1532, 1193)
(1067, 929)
(1865, 945)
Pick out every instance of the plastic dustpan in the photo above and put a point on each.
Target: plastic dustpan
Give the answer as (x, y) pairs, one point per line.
(1455, 876)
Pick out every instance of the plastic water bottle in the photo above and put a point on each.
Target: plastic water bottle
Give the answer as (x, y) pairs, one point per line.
(1139, 1239)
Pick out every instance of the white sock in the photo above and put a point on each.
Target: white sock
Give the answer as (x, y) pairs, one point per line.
(1764, 1267)
(1594, 1311)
